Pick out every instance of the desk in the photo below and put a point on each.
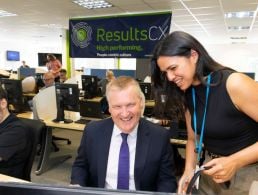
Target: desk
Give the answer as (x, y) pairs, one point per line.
(6, 178)
(71, 115)
(149, 103)
(31, 95)
(45, 162)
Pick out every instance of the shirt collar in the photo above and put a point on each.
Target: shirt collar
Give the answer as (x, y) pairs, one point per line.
(117, 131)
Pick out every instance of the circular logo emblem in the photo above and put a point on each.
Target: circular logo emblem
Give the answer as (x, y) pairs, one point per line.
(81, 34)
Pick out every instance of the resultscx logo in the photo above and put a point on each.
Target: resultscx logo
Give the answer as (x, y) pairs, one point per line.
(81, 34)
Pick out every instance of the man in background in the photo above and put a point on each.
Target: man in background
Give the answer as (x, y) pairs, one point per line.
(103, 83)
(48, 79)
(62, 75)
(15, 143)
(24, 65)
(125, 139)
(54, 66)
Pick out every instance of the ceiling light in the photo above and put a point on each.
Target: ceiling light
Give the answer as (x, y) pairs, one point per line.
(238, 38)
(52, 25)
(239, 14)
(93, 4)
(238, 27)
(5, 13)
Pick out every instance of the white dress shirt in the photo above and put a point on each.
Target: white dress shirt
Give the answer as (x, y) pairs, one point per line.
(113, 158)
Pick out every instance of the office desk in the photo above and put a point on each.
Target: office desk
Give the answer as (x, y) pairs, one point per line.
(31, 95)
(6, 178)
(48, 121)
(45, 162)
(149, 103)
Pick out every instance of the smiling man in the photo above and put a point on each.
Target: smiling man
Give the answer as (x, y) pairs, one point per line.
(125, 151)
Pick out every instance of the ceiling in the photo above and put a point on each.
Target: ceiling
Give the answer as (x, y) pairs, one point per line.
(45, 20)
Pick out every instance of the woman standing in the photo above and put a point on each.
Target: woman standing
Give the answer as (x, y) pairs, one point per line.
(220, 110)
(54, 66)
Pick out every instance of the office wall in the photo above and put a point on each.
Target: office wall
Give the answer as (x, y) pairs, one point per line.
(242, 57)
(28, 51)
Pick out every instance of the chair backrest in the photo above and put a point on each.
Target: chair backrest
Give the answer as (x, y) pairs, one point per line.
(45, 97)
(35, 129)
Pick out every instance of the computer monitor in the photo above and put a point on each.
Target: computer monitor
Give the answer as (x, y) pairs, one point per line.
(46, 189)
(39, 80)
(26, 72)
(90, 86)
(250, 74)
(13, 88)
(13, 55)
(67, 98)
(146, 89)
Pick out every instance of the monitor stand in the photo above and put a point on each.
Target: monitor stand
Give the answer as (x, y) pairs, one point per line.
(60, 118)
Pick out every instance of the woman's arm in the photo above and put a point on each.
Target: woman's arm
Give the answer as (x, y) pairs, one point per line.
(190, 160)
(243, 92)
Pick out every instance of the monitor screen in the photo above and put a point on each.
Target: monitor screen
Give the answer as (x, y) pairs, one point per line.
(67, 98)
(26, 72)
(147, 90)
(42, 58)
(250, 74)
(44, 189)
(13, 55)
(90, 86)
(13, 88)
(39, 80)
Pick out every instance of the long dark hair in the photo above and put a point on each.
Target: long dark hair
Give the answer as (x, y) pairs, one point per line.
(180, 43)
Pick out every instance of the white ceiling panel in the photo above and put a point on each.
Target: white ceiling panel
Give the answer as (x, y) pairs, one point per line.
(202, 18)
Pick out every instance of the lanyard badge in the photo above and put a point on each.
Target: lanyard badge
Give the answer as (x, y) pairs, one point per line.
(198, 144)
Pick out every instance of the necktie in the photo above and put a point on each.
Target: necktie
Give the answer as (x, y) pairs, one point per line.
(123, 165)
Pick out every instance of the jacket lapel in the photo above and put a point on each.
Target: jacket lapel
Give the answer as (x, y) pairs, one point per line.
(103, 152)
(142, 146)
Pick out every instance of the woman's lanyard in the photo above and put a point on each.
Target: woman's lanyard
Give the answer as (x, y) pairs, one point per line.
(198, 145)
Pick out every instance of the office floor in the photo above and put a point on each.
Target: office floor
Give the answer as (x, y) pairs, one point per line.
(59, 174)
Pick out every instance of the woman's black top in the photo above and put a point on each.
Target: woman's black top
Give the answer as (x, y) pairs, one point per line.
(227, 130)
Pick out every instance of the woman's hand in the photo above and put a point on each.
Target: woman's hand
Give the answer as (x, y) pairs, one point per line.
(184, 182)
(222, 169)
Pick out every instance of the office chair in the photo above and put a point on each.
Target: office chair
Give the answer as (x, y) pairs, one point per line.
(36, 130)
(55, 138)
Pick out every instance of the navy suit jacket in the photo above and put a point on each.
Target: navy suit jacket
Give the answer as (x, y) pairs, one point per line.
(154, 163)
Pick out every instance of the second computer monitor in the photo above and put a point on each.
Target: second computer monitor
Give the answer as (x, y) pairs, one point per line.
(67, 98)
(146, 89)
(13, 88)
(26, 72)
(90, 86)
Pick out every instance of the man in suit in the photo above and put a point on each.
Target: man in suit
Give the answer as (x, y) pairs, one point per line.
(151, 165)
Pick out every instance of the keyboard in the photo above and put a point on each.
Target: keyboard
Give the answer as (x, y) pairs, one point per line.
(82, 121)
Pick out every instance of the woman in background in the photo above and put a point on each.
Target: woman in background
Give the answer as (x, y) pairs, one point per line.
(220, 110)
(53, 65)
